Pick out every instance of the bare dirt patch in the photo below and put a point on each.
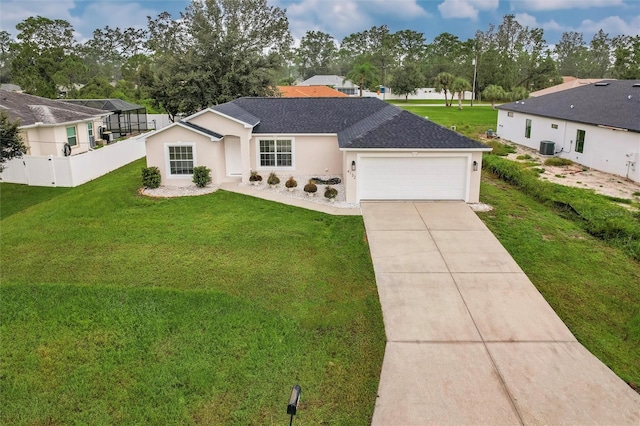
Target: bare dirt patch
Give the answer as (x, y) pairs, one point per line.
(578, 176)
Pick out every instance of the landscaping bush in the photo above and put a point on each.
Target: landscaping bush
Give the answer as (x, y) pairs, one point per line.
(524, 157)
(500, 148)
(201, 176)
(291, 183)
(273, 179)
(330, 192)
(596, 213)
(151, 177)
(255, 177)
(311, 187)
(557, 161)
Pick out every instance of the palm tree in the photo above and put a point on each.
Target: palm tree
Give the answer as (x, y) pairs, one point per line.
(443, 82)
(459, 86)
(494, 93)
(362, 72)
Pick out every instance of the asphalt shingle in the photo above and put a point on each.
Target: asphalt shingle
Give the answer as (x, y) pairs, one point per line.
(616, 104)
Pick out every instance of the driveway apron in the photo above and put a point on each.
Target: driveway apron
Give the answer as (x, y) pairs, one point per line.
(470, 340)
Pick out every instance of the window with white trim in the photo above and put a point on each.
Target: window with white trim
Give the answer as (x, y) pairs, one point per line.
(276, 152)
(72, 138)
(180, 159)
(90, 129)
(580, 134)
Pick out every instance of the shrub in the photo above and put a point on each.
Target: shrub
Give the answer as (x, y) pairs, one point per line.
(311, 187)
(291, 183)
(201, 176)
(500, 148)
(273, 179)
(557, 161)
(151, 177)
(330, 192)
(524, 157)
(255, 177)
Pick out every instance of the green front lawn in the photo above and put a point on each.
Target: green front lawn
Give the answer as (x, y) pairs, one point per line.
(120, 309)
(470, 121)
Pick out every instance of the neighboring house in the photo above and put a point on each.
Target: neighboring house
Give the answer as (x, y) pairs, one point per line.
(309, 92)
(423, 93)
(125, 118)
(341, 84)
(597, 125)
(380, 151)
(568, 83)
(49, 127)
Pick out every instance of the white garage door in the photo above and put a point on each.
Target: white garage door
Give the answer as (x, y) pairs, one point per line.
(412, 178)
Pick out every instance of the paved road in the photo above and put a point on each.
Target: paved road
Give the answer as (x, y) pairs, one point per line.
(469, 338)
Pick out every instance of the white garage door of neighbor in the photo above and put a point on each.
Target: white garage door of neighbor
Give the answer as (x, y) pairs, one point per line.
(412, 178)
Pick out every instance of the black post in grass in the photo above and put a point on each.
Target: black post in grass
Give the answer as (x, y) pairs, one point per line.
(294, 399)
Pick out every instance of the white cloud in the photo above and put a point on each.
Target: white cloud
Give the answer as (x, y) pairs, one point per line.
(614, 25)
(532, 22)
(466, 8)
(343, 17)
(540, 5)
(14, 12)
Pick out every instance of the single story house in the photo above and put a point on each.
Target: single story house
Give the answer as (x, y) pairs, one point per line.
(567, 83)
(309, 92)
(125, 118)
(596, 125)
(341, 84)
(380, 151)
(49, 127)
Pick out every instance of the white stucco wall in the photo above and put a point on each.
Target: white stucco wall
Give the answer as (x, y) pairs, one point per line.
(206, 153)
(605, 149)
(312, 155)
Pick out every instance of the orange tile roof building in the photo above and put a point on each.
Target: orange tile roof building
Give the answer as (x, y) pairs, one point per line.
(309, 92)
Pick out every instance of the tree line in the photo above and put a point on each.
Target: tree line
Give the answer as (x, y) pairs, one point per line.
(218, 50)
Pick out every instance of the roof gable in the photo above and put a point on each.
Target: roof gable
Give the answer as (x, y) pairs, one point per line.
(616, 104)
(32, 110)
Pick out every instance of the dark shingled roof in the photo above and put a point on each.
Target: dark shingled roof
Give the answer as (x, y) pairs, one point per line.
(113, 105)
(358, 122)
(616, 104)
(236, 111)
(201, 129)
(409, 131)
(31, 109)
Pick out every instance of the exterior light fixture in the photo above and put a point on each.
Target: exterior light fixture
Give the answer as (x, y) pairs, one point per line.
(294, 399)
(475, 166)
(353, 166)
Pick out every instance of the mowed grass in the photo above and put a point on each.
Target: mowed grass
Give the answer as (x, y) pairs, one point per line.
(470, 121)
(121, 309)
(594, 288)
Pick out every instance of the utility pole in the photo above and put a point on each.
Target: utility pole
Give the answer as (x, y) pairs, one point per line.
(474, 62)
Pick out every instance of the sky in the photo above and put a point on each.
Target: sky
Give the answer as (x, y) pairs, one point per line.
(343, 17)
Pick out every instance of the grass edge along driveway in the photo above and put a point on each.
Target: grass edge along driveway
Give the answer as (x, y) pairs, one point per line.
(122, 309)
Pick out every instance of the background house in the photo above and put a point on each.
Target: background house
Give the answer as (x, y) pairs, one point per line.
(125, 118)
(596, 125)
(380, 151)
(339, 83)
(567, 83)
(309, 92)
(48, 125)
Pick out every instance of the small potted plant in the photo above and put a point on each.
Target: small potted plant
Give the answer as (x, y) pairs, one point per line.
(255, 178)
(310, 188)
(273, 180)
(330, 193)
(291, 184)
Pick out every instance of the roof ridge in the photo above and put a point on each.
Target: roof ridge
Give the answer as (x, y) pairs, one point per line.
(368, 124)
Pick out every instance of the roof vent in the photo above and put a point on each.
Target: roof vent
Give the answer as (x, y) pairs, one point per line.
(602, 83)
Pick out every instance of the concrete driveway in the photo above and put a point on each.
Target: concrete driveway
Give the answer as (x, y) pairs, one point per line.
(469, 338)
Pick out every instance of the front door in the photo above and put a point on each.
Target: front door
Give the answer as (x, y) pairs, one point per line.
(233, 156)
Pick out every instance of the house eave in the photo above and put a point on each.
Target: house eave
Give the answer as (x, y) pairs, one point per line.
(487, 149)
(155, 132)
(65, 123)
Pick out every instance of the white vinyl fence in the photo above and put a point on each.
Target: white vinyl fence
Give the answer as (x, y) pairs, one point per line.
(74, 170)
(157, 121)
